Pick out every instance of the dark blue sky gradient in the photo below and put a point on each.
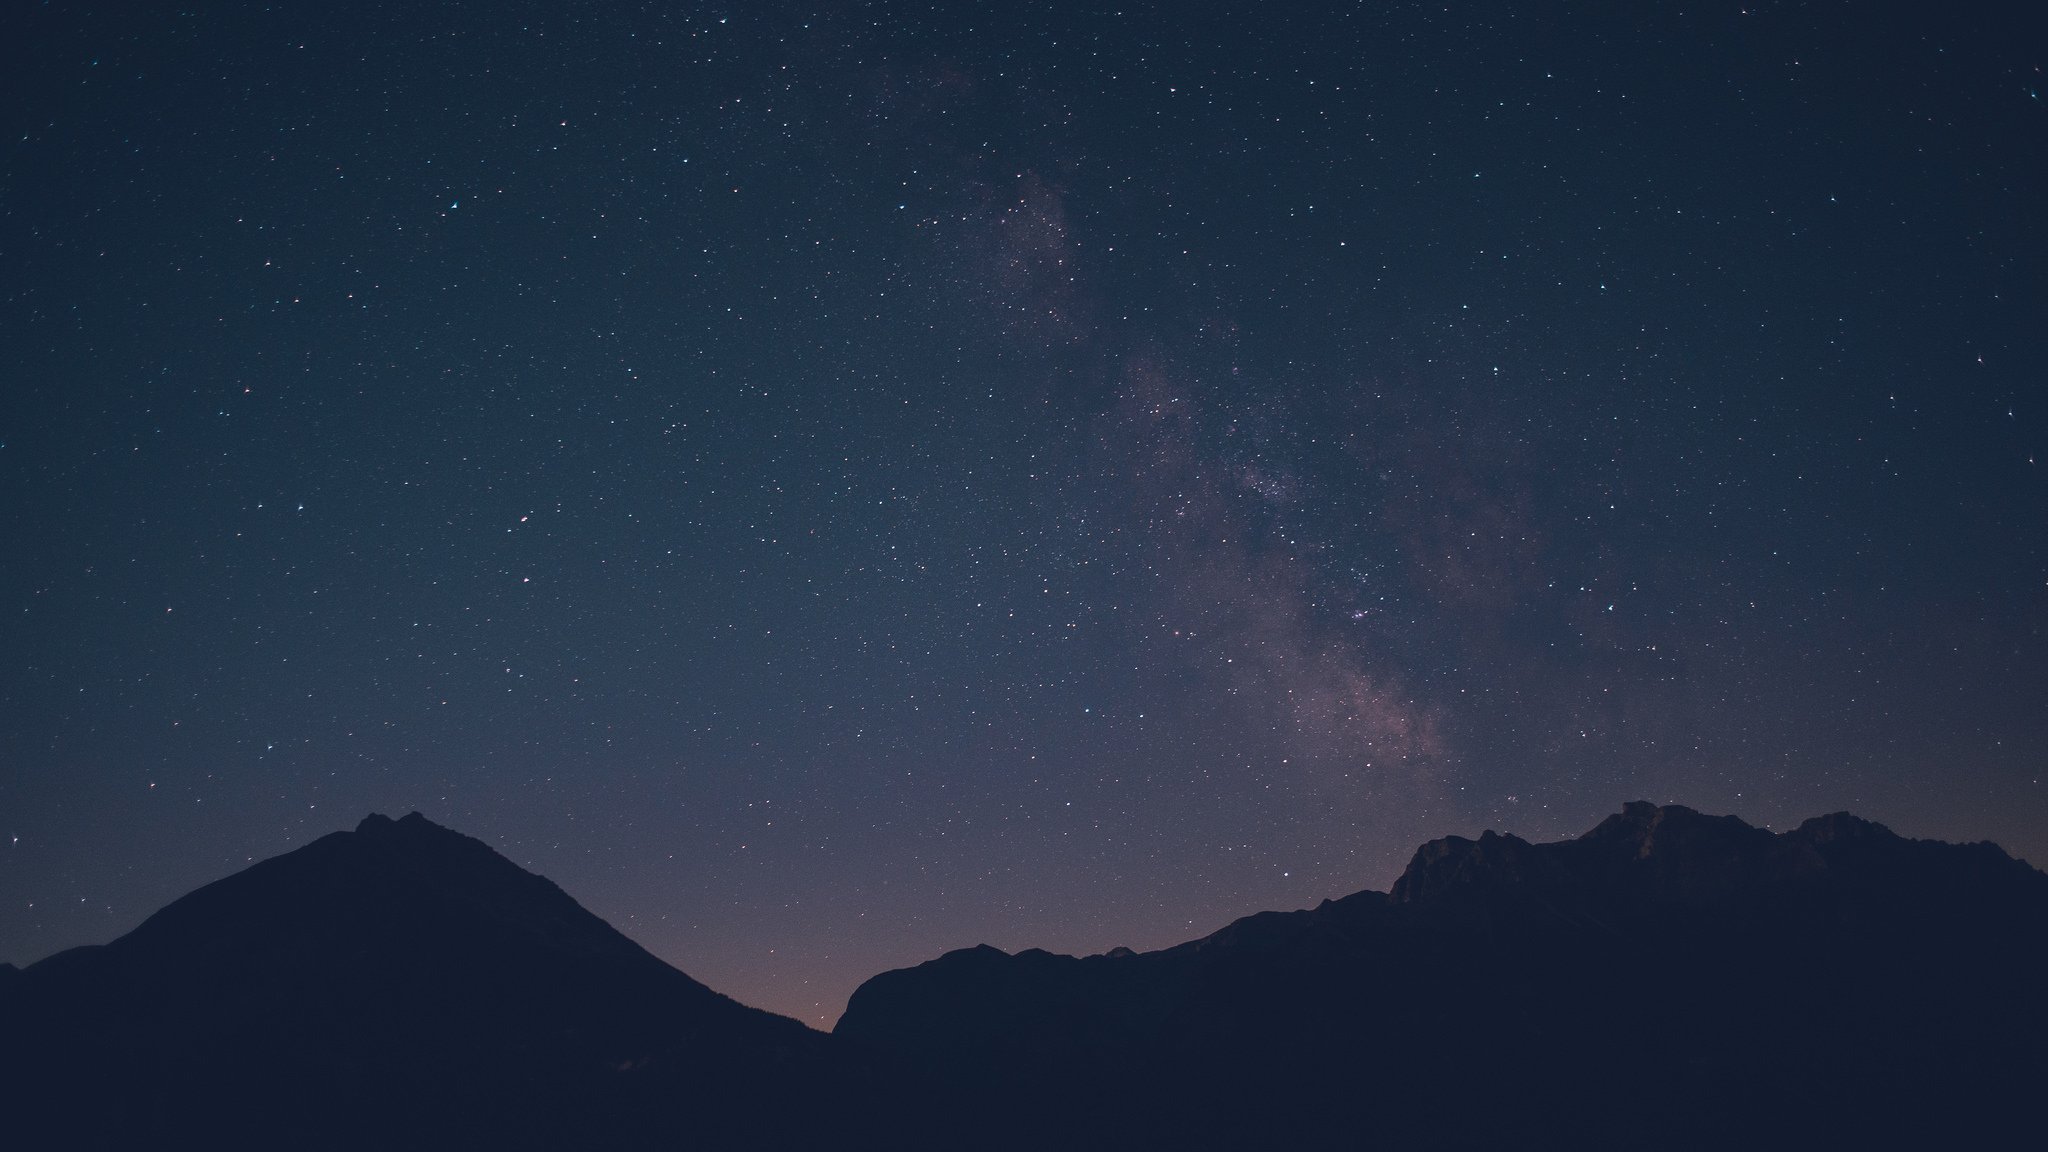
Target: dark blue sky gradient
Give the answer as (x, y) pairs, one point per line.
(829, 486)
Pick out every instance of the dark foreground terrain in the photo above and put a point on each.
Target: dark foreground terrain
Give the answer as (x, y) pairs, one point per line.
(1668, 979)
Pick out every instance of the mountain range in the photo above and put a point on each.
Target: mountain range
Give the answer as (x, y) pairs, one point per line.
(1669, 979)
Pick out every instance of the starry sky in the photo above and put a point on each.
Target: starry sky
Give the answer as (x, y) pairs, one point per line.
(831, 485)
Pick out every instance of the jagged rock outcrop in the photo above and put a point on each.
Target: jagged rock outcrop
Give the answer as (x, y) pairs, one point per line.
(1668, 972)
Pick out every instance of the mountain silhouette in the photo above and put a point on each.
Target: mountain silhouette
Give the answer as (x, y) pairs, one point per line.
(400, 984)
(1669, 979)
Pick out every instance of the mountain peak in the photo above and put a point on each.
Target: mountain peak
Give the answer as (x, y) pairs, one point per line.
(1453, 863)
(1664, 851)
(1645, 829)
(397, 970)
(377, 822)
(384, 878)
(1842, 826)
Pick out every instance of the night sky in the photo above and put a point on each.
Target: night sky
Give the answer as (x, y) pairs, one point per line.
(828, 486)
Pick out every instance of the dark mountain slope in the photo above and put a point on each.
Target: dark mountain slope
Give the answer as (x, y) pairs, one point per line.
(1669, 978)
(400, 984)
